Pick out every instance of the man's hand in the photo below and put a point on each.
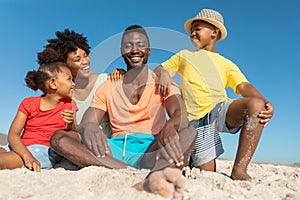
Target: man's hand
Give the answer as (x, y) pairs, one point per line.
(95, 140)
(169, 144)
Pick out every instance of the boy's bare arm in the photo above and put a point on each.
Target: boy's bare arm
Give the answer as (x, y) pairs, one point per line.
(164, 82)
(248, 90)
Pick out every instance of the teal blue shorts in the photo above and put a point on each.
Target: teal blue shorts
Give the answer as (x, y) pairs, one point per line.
(130, 148)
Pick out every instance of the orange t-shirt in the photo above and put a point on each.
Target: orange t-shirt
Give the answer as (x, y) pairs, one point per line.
(148, 116)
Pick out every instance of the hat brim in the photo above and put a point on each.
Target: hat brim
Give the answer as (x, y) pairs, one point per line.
(221, 27)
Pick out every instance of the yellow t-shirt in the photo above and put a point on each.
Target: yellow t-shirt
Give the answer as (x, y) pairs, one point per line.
(148, 116)
(204, 77)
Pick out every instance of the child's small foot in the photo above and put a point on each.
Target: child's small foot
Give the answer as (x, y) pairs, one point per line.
(167, 183)
(241, 176)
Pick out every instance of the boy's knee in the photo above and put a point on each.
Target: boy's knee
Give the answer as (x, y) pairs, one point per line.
(256, 105)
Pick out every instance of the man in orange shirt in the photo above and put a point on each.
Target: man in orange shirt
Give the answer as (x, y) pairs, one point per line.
(142, 137)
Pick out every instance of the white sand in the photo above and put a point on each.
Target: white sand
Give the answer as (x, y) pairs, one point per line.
(269, 182)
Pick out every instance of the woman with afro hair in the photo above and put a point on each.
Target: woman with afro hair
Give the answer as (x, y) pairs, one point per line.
(73, 49)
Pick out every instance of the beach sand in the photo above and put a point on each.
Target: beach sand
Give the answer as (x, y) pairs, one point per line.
(269, 182)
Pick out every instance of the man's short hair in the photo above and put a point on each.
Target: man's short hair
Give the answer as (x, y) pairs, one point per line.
(135, 28)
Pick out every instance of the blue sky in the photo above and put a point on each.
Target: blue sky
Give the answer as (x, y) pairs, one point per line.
(263, 40)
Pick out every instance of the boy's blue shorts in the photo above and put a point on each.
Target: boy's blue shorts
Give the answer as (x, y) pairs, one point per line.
(45, 155)
(130, 148)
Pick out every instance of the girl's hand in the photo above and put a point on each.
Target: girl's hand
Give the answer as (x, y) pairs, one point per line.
(32, 163)
(68, 116)
(116, 75)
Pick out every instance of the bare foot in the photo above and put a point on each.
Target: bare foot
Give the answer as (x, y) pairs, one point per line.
(241, 176)
(167, 183)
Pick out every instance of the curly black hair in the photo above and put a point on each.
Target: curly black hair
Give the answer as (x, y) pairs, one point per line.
(68, 41)
(50, 63)
(49, 55)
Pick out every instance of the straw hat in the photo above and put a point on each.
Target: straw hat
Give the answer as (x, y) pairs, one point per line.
(211, 16)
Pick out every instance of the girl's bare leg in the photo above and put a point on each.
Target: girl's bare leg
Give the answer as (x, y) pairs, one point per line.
(10, 160)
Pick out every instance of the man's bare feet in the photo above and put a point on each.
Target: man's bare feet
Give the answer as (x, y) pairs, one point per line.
(168, 183)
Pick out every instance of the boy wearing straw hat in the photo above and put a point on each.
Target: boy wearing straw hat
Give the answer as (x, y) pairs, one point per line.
(204, 76)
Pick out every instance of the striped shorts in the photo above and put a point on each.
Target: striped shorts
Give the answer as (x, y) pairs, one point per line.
(208, 145)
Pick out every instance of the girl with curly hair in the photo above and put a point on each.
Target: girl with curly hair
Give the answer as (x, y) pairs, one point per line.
(39, 117)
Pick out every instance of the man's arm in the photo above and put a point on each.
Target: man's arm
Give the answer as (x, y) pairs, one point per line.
(92, 135)
(248, 90)
(177, 112)
(168, 139)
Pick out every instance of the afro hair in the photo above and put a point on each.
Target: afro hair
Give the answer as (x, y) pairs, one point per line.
(68, 41)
